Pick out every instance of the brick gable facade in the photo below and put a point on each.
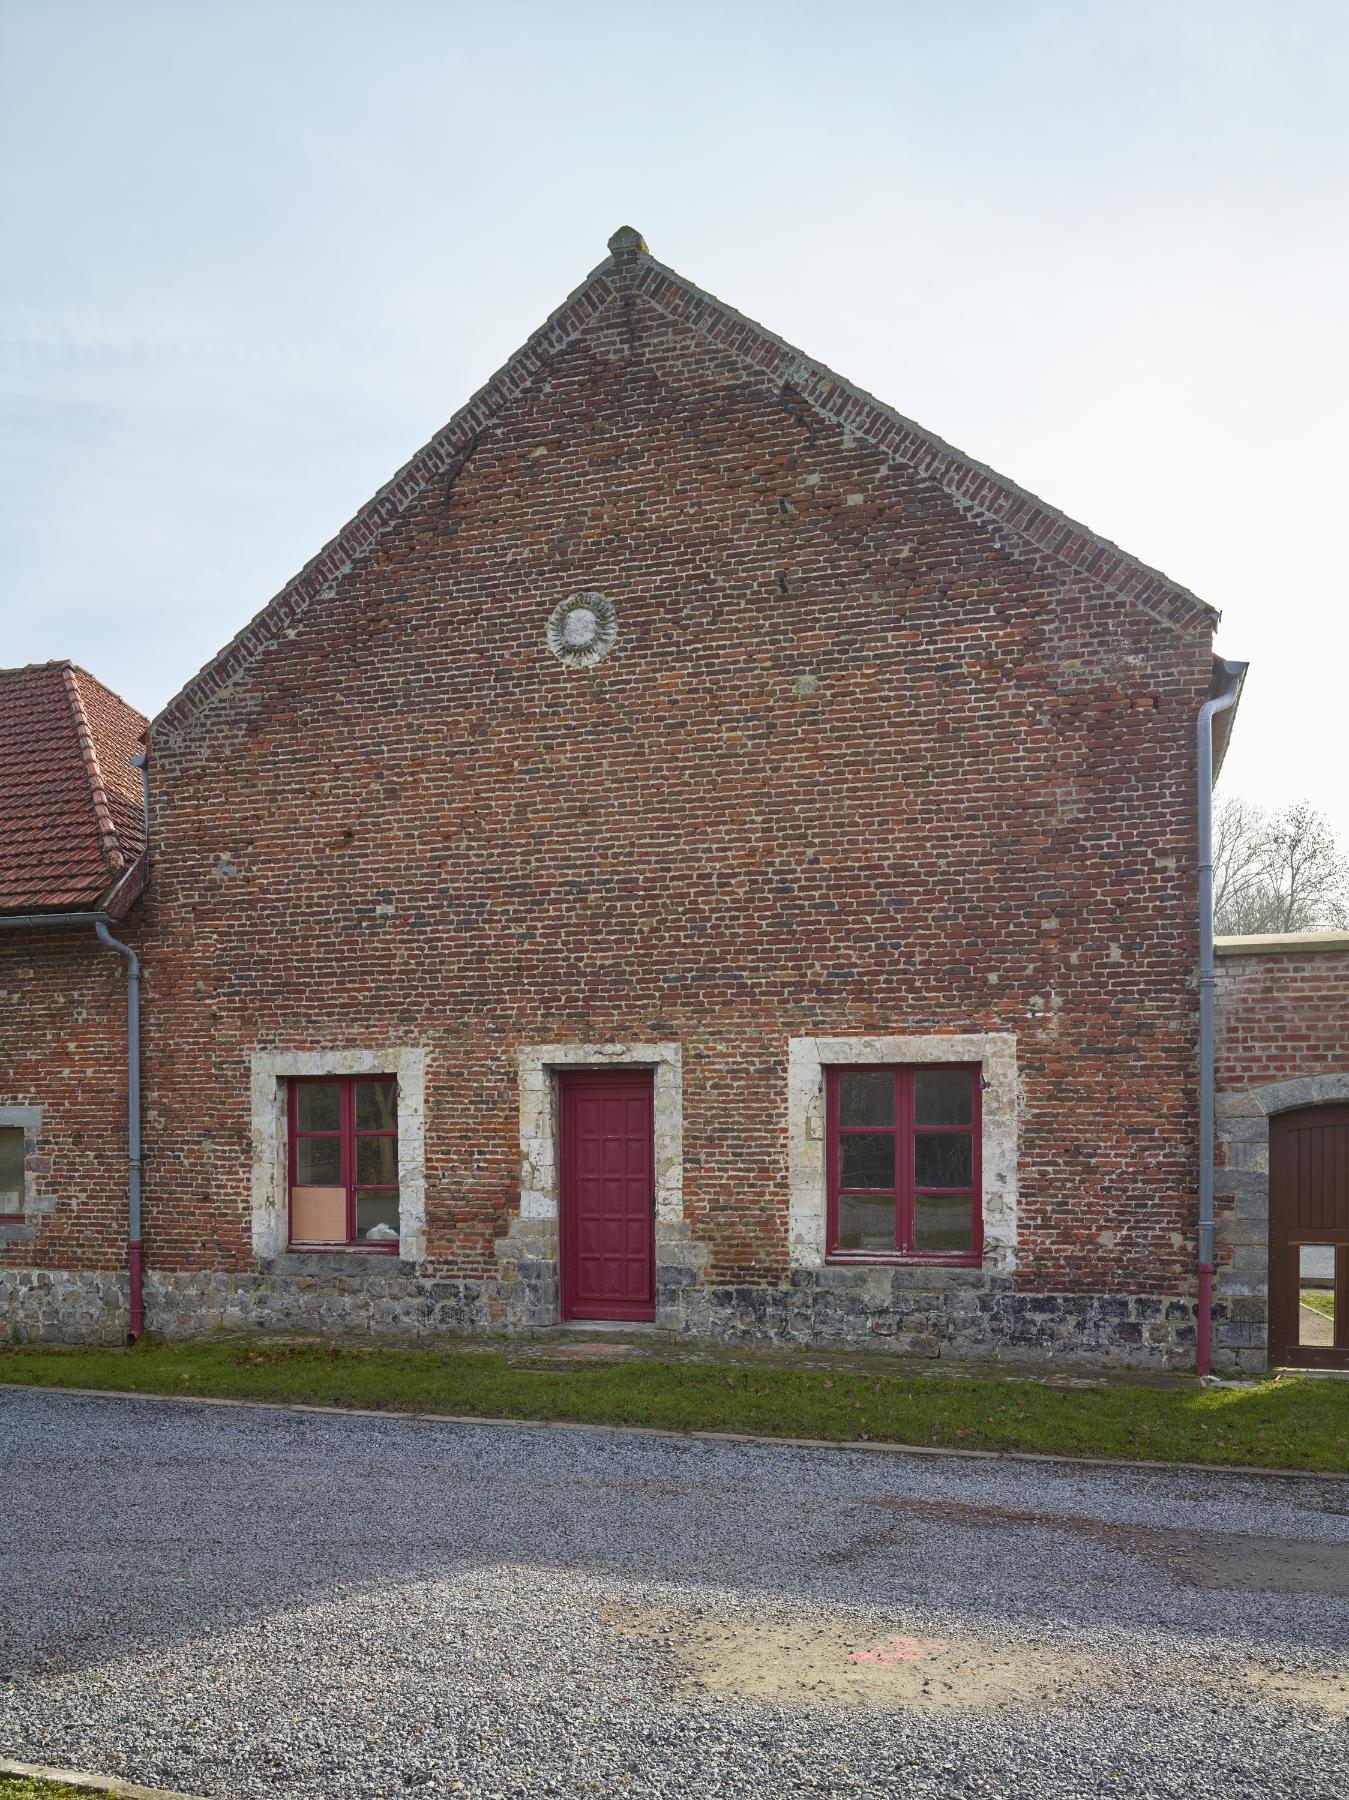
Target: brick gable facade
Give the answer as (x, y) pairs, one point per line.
(883, 750)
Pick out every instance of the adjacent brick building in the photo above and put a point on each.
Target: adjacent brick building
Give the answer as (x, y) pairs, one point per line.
(72, 842)
(697, 848)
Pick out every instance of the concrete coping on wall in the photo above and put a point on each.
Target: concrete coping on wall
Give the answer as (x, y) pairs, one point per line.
(1287, 943)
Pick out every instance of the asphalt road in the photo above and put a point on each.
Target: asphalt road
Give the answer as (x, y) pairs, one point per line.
(249, 1602)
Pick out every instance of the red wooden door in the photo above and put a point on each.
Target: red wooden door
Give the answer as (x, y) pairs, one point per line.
(608, 1197)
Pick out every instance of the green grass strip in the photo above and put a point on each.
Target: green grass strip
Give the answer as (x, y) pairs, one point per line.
(28, 1787)
(1288, 1422)
(1320, 1300)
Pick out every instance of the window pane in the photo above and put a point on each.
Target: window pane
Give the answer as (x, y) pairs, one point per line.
(943, 1159)
(866, 1224)
(866, 1159)
(866, 1097)
(318, 1215)
(318, 1105)
(377, 1218)
(11, 1168)
(943, 1096)
(318, 1162)
(376, 1105)
(376, 1161)
(943, 1223)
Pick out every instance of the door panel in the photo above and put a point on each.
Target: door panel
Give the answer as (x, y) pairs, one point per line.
(608, 1193)
(1308, 1205)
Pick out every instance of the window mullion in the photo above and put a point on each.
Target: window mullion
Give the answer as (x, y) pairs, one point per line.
(831, 1160)
(348, 1116)
(904, 1161)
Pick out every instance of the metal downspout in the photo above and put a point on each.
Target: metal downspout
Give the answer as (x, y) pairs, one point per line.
(1207, 981)
(135, 1248)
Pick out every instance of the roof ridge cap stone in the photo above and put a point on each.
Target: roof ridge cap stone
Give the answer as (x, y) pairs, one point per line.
(36, 668)
(107, 831)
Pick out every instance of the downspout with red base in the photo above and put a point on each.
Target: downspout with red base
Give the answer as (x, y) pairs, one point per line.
(1234, 673)
(135, 1247)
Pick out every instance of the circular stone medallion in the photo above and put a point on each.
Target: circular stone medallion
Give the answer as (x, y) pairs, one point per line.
(581, 631)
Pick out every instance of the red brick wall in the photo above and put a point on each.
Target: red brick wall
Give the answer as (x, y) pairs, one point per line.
(856, 763)
(1281, 1017)
(63, 1048)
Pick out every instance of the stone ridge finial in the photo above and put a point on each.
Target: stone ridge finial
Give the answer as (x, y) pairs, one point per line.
(626, 240)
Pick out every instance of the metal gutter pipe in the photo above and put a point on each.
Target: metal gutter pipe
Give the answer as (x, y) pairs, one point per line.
(135, 1247)
(10, 921)
(1234, 671)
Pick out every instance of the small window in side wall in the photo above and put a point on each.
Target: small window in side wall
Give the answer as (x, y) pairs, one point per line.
(11, 1173)
(343, 1153)
(902, 1163)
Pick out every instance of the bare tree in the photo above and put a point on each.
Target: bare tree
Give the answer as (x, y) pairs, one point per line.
(1239, 874)
(1281, 871)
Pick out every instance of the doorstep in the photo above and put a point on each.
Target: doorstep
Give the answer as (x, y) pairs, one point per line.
(1311, 1374)
(608, 1327)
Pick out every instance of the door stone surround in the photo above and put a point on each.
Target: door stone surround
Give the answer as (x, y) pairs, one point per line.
(528, 1288)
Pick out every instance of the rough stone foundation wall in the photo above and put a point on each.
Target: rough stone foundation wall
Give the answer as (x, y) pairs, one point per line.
(890, 1312)
(901, 1313)
(62, 1306)
(319, 1295)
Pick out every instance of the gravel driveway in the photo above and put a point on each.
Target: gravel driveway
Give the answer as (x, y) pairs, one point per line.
(250, 1602)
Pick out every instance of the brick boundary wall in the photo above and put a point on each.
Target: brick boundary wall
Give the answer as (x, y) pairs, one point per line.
(1282, 1041)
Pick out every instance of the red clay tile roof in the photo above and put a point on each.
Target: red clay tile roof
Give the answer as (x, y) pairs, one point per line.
(71, 823)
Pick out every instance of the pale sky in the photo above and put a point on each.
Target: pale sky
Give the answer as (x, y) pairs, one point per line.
(256, 254)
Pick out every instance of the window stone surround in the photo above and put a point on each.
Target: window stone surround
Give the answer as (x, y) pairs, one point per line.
(807, 1059)
(29, 1120)
(269, 1070)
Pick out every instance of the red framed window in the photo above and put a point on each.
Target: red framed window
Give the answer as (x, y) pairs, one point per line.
(344, 1160)
(12, 1168)
(902, 1163)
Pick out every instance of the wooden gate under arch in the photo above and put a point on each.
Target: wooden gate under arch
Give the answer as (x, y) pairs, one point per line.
(1308, 1211)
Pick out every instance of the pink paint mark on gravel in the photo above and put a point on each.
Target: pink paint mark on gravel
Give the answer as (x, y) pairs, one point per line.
(897, 1649)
